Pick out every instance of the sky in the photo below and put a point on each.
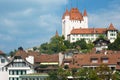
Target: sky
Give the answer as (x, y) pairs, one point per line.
(29, 23)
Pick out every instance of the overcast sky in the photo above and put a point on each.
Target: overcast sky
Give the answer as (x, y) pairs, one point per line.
(29, 23)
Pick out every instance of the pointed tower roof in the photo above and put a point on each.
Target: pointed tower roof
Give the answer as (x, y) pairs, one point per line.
(75, 14)
(56, 34)
(65, 14)
(111, 27)
(85, 13)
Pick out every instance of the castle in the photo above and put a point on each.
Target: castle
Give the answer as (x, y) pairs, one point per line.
(75, 27)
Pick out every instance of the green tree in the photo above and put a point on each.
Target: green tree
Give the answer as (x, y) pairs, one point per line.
(101, 36)
(67, 44)
(104, 72)
(60, 74)
(12, 53)
(82, 43)
(87, 74)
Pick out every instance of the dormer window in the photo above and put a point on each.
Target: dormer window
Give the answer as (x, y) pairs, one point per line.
(94, 60)
(104, 59)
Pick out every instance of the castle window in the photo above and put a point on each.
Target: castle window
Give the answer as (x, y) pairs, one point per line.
(73, 38)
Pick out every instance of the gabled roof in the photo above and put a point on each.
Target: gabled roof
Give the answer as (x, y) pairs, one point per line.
(21, 53)
(111, 27)
(88, 31)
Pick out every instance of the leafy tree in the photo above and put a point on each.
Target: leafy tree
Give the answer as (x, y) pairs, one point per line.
(81, 43)
(104, 72)
(101, 36)
(67, 44)
(116, 75)
(52, 76)
(87, 74)
(90, 45)
(55, 45)
(60, 74)
(12, 53)
(20, 48)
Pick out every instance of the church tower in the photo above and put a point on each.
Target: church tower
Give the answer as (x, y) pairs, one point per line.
(73, 19)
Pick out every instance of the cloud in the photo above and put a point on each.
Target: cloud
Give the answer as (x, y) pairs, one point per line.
(49, 22)
(5, 37)
(103, 17)
(25, 12)
(8, 22)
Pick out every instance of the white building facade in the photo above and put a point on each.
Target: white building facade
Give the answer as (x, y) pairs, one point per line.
(73, 19)
(3, 71)
(75, 27)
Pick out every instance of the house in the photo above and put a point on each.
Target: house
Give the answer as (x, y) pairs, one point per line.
(75, 27)
(3, 71)
(47, 63)
(19, 66)
(101, 44)
(93, 60)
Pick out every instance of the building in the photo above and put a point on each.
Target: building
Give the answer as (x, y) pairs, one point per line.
(28, 65)
(75, 27)
(101, 44)
(3, 71)
(47, 63)
(20, 65)
(93, 60)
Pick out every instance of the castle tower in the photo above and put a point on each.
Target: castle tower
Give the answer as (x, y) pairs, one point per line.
(111, 33)
(73, 19)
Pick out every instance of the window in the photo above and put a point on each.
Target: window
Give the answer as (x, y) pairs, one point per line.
(105, 59)
(73, 38)
(77, 39)
(94, 60)
(2, 60)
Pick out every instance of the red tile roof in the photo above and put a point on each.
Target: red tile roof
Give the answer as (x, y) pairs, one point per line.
(80, 60)
(65, 14)
(74, 14)
(88, 31)
(21, 53)
(111, 27)
(48, 58)
(1, 53)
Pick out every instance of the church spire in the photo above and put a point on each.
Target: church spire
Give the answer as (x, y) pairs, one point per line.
(85, 13)
(56, 34)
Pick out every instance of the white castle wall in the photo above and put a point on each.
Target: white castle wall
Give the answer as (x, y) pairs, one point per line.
(68, 25)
